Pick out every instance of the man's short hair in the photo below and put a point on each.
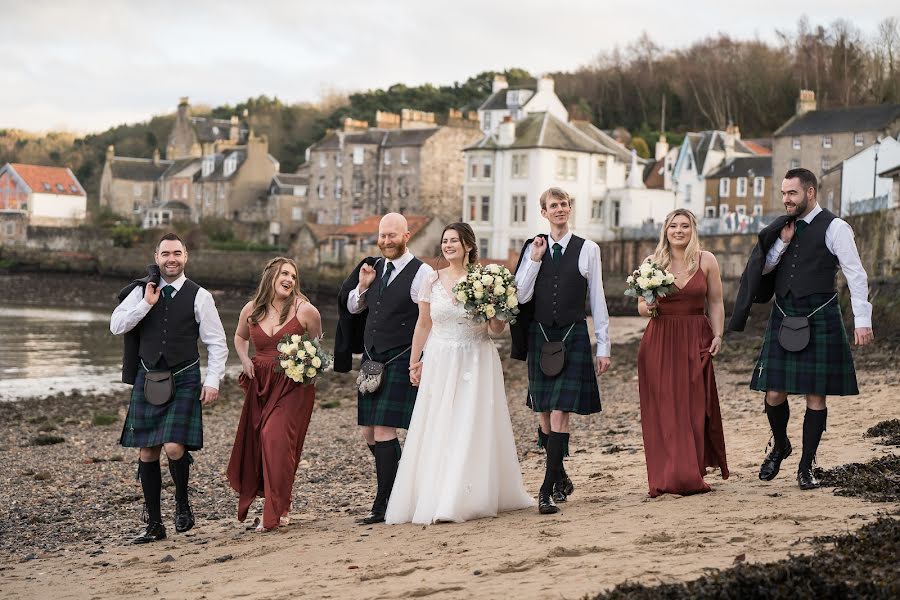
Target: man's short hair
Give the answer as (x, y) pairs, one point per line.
(555, 192)
(807, 178)
(170, 237)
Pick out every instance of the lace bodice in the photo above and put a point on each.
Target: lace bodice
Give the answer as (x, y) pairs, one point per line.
(449, 321)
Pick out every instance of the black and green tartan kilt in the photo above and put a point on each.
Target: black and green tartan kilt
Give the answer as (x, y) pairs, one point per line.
(391, 405)
(575, 389)
(179, 421)
(824, 367)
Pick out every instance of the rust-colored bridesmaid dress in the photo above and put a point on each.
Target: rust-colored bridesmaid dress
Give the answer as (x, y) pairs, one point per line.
(271, 431)
(680, 416)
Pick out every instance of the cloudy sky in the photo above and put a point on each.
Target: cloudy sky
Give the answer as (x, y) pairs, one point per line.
(84, 65)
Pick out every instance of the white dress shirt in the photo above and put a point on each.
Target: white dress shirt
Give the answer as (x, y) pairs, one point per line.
(356, 300)
(840, 242)
(590, 267)
(134, 308)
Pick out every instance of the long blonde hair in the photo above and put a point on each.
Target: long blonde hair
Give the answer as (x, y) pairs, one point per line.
(662, 256)
(265, 293)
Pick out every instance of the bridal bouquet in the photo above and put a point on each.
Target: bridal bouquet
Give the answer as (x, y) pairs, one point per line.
(487, 292)
(650, 282)
(301, 358)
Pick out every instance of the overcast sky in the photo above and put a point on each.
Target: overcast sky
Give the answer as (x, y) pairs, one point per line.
(84, 65)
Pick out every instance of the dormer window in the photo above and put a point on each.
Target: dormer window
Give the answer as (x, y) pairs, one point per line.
(209, 165)
(403, 157)
(60, 187)
(230, 165)
(73, 188)
(47, 187)
(358, 155)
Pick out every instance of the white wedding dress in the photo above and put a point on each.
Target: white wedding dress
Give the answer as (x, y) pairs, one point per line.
(459, 461)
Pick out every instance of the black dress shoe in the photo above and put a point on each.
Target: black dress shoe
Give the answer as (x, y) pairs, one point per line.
(546, 506)
(772, 464)
(372, 518)
(155, 532)
(184, 516)
(806, 479)
(563, 489)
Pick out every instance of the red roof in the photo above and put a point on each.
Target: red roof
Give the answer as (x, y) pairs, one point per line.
(48, 180)
(757, 148)
(369, 225)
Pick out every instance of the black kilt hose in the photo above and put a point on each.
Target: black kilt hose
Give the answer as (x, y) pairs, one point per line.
(179, 421)
(823, 368)
(575, 389)
(391, 405)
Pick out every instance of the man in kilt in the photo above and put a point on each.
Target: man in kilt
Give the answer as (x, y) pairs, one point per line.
(169, 318)
(796, 258)
(378, 308)
(552, 289)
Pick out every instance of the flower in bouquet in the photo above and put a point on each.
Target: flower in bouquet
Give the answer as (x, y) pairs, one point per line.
(650, 282)
(301, 358)
(487, 292)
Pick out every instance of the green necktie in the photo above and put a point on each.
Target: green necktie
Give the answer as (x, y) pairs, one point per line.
(387, 275)
(801, 225)
(167, 291)
(556, 255)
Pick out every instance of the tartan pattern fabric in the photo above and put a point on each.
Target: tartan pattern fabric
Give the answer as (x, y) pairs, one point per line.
(824, 367)
(392, 404)
(179, 421)
(575, 389)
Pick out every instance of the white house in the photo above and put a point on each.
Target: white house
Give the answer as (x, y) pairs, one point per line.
(518, 103)
(859, 178)
(50, 196)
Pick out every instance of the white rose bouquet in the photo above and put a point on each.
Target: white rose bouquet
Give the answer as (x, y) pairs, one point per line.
(650, 282)
(487, 292)
(301, 358)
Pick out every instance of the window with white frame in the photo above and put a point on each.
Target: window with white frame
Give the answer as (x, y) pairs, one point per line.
(572, 168)
(723, 210)
(601, 169)
(710, 212)
(387, 157)
(616, 208)
(137, 190)
(826, 141)
(221, 192)
(402, 188)
(688, 192)
(482, 247)
(826, 163)
(859, 140)
(136, 207)
(795, 143)
(688, 162)
(10, 229)
(484, 214)
(320, 188)
(473, 168)
(338, 187)
(757, 210)
(322, 159)
(740, 209)
(724, 187)
(358, 155)
(486, 168)
(209, 165)
(759, 187)
(519, 167)
(296, 213)
(795, 163)
(487, 120)
(566, 167)
(473, 209)
(597, 209)
(741, 186)
(518, 208)
(338, 159)
(230, 165)
(359, 184)
(403, 157)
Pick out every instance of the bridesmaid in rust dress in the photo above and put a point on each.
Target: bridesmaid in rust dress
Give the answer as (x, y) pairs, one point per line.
(276, 410)
(680, 416)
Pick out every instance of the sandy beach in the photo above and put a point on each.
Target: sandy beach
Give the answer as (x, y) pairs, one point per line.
(67, 510)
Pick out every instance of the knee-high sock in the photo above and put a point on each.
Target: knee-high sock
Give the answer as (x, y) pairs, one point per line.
(387, 458)
(181, 471)
(778, 421)
(813, 426)
(542, 438)
(556, 443)
(151, 484)
(371, 448)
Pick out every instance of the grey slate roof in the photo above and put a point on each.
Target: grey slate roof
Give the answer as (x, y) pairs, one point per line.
(138, 169)
(408, 137)
(218, 172)
(292, 179)
(543, 130)
(742, 165)
(181, 164)
(176, 205)
(837, 120)
(332, 140)
(701, 142)
(497, 100)
(604, 139)
(210, 130)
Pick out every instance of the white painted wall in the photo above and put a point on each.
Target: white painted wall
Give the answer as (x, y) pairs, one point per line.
(859, 174)
(57, 206)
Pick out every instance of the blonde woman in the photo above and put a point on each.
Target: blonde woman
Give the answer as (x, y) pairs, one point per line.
(680, 416)
(276, 410)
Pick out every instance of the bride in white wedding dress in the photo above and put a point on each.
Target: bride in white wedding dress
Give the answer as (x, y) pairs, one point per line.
(459, 461)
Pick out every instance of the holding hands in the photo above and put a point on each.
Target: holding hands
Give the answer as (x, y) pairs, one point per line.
(415, 373)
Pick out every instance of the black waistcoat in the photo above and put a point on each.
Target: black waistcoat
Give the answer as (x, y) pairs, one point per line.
(170, 330)
(392, 314)
(807, 267)
(560, 290)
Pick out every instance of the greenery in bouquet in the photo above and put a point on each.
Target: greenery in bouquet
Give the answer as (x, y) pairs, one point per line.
(488, 291)
(650, 282)
(301, 358)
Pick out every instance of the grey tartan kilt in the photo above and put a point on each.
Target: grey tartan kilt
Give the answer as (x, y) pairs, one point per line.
(392, 404)
(824, 367)
(179, 421)
(575, 389)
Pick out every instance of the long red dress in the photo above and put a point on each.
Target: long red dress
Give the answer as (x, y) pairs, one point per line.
(680, 416)
(271, 431)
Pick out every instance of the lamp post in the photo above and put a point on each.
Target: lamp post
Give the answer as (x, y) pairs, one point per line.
(875, 171)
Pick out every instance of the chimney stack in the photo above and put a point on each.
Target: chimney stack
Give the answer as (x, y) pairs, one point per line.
(416, 119)
(354, 125)
(234, 133)
(662, 147)
(806, 102)
(545, 84)
(387, 120)
(729, 140)
(506, 133)
(499, 84)
(156, 156)
(110, 152)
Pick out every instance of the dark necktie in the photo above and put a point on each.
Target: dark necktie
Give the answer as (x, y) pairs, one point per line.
(801, 225)
(387, 275)
(556, 254)
(167, 291)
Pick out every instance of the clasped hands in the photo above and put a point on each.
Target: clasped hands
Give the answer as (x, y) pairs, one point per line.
(415, 373)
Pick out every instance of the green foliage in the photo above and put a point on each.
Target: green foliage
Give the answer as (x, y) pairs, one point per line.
(217, 229)
(125, 236)
(640, 146)
(101, 420)
(241, 246)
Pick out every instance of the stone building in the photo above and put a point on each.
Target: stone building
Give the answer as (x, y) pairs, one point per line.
(405, 163)
(742, 185)
(819, 140)
(193, 137)
(131, 186)
(287, 204)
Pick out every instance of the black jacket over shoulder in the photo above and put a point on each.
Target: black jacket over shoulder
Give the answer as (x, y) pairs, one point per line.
(132, 339)
(348, 338)
(756, 287)
(518, 331)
